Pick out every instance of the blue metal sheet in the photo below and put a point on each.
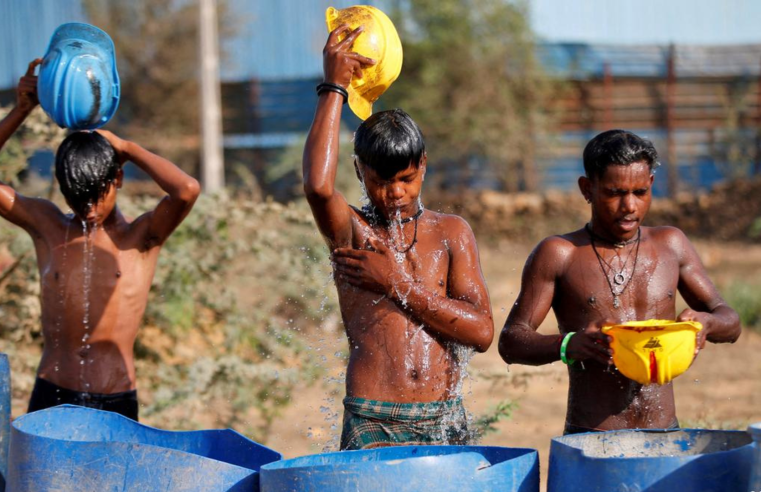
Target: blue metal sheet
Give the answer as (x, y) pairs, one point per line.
(25, 30)
(280, 40)
(647, 21)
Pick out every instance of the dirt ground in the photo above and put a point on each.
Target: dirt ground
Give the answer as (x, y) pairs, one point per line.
(721, 390)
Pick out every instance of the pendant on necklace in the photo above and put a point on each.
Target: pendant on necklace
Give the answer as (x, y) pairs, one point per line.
(616, 304)
(619, 278)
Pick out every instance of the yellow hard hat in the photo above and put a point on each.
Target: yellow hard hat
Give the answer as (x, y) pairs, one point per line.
(653, 351)
(379, 41)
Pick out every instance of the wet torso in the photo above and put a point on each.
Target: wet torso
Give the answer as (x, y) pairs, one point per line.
(599, 397)
(94, 289)
(392, 356)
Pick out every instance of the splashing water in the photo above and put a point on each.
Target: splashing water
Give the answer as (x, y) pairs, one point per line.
(456, 424)
(61, 299)
(88, 258)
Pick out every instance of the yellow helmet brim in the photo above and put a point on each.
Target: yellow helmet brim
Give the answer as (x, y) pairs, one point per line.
(653, 351)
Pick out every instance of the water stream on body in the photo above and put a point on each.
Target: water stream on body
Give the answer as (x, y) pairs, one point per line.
(62, 277)
(87, 264)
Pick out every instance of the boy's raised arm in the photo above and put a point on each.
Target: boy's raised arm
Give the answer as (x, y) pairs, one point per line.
(13, 206)
(320, 161)
(182, 190)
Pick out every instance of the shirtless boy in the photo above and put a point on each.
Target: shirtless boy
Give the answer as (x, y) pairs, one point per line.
(412, 296)
(96, 266)
(610, 271)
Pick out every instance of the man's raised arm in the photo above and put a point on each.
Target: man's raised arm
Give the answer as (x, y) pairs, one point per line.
(320, 162)
(182, 190)
(16, 208)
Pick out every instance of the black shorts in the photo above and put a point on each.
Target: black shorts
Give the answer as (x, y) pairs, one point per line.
(46, 394)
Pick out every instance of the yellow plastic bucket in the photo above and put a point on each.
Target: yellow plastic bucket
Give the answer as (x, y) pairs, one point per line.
(379, 41)
(653, 351)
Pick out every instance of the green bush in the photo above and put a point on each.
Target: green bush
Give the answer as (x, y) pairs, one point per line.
(745, 298)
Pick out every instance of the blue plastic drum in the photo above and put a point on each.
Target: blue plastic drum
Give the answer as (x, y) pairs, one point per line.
(5, 418)
(692, 460)
(755, 475)
(70, 448)
(408, 468)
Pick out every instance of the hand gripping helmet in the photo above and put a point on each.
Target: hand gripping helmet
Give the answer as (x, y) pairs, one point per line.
(378, 41)
(78, 85)
(653, 351)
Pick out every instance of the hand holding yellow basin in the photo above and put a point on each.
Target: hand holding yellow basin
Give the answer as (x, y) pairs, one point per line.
(653, 351)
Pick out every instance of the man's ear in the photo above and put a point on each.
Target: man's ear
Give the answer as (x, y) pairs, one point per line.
(424, 164)
(119, 178)
(585, 185)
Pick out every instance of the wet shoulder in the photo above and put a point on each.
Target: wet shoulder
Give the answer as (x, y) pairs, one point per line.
(564, 244)
(449, 227)
(559, 249)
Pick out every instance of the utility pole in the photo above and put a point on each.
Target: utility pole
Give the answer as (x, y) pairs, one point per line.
(672, 171)
(212, 159)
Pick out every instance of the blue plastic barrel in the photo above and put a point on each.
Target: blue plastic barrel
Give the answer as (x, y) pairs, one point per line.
(70, 448)
(694, 460)
(408, 468)
(5, 418)
(755, 474)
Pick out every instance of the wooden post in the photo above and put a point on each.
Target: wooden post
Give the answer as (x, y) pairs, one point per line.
(672, 171)
(757, 164)
(212, 157)
(607, 85)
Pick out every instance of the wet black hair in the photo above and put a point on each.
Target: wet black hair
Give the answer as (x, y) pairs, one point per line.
(619, 147)
(388, 142)
(85, 166)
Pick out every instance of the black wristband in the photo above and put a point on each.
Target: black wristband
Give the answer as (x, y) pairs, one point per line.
(329, 87)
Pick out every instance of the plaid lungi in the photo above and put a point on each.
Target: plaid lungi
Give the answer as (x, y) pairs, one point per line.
(371, 424)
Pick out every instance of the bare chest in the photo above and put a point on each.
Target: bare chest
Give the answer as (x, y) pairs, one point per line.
(628, 286)
(95, 269)
(418, 251)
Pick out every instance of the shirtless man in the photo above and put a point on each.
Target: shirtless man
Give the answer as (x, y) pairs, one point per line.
(612, 270)
(412, 296)
(96, 266)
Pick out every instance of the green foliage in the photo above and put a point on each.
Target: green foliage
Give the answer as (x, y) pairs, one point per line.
(486, 423)
(744, 298)
(157, 52)
(37, 133)
(247, 358)
(288, 168)
(472, 82)
(755, 229)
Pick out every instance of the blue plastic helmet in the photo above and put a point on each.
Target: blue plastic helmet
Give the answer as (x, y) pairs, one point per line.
(78, 85)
